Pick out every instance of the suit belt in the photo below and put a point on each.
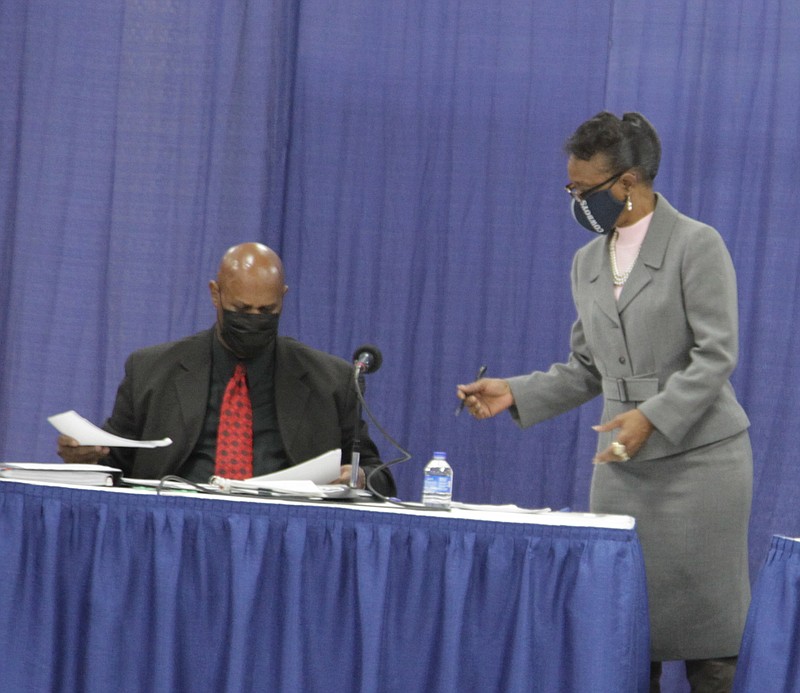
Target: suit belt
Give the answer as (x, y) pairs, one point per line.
(631, 389)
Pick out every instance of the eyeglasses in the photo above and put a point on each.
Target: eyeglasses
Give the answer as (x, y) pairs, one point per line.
(583, 194)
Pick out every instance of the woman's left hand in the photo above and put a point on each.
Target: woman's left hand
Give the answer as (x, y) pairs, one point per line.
(634, 430)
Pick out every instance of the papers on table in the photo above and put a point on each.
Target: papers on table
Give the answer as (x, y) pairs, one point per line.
(321, 470)
(558, 517)
(309, 479)
(81, 474)
(72, 424)
(509, 508)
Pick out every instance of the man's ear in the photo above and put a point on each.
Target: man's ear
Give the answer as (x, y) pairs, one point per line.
(213, 287)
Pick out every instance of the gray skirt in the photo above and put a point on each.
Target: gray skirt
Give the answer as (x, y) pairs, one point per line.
(692, 512)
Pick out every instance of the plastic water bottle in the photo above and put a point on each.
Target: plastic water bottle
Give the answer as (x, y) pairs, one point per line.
(437, 487)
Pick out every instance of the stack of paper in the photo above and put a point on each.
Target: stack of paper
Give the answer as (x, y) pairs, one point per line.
(309, 479)
(81, 474)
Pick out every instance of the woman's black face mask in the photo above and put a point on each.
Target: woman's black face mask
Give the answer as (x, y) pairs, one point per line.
(248, 334)
(597, 212)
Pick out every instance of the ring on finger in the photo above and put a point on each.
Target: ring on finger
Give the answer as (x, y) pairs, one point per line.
(620, 451)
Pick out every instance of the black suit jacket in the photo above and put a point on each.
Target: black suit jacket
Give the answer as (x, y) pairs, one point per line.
(165, 394)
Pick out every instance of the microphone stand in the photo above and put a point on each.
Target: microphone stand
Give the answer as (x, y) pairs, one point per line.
(367, 359)
(355, 458)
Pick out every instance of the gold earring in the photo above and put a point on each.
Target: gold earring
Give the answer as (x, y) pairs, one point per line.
(628, 203)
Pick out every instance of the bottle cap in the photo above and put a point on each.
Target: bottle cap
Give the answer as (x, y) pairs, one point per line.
(440, 454)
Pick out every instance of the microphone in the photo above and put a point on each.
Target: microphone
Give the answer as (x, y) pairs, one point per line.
(367, 359)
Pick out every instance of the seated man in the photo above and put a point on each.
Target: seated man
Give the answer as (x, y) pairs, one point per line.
(295, 402)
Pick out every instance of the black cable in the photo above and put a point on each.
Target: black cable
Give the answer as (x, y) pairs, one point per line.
(180, 480)
(210, 490)
(404, 457)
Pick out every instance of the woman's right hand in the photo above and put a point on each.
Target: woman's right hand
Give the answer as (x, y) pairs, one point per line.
(486, 397)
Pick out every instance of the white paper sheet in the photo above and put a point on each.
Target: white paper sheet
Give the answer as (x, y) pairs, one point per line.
(309, 479)
(72, 424)
(321, 470)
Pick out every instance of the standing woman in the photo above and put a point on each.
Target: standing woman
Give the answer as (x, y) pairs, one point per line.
(657, 336)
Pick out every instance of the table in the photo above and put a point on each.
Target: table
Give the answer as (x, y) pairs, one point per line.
(769, 659)
(129, 591)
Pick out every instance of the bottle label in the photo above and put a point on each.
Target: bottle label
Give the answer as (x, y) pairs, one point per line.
(438, 483)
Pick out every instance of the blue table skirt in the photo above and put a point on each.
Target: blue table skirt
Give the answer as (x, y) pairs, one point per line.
(769, 659)
(104, 591)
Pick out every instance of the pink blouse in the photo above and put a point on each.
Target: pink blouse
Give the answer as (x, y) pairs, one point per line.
(629, 240)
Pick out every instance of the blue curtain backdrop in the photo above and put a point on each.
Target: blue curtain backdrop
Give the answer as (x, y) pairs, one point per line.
(405, 158)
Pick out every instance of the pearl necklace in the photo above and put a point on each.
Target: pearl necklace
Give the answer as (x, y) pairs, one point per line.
(619, 277)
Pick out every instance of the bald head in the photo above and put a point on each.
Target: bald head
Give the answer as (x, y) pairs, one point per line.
(250, 261)
(249, 280)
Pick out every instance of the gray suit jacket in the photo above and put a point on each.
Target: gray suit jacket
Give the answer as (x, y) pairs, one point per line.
(668, 346)
(165, 393)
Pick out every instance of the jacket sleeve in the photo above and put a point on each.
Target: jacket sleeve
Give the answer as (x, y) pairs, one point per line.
(123, 421)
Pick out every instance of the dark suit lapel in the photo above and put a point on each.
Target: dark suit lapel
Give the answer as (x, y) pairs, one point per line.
(192, 383)
(181, 407)
(291, 396)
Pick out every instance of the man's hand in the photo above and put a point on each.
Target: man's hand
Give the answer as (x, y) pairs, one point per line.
(634, 430)
(344, 476)
(73, 452)
(486, 397)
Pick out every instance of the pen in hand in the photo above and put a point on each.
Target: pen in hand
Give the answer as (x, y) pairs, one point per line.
(460, 407)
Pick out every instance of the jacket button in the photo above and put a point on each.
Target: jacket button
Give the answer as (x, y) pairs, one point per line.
(622, 359)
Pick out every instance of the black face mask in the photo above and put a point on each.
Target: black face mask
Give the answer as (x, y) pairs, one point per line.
(598, 212)
(248, 334)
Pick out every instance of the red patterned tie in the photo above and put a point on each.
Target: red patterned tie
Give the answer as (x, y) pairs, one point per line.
(235, 433)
